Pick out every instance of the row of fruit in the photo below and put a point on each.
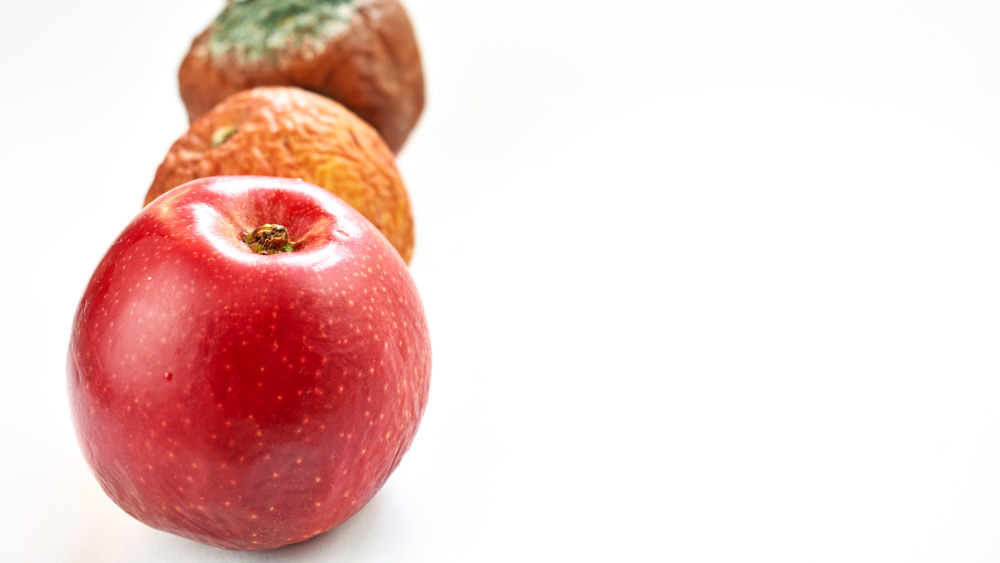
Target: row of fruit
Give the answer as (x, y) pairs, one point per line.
(250, 360)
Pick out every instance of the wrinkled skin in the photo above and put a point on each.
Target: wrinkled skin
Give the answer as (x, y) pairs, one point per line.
(373, 67)
(292, 133)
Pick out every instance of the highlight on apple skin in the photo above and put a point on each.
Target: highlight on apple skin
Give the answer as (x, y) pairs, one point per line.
(248, 363)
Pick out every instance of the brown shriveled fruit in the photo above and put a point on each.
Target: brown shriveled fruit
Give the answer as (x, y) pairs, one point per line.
(289, 132)
(362, 53)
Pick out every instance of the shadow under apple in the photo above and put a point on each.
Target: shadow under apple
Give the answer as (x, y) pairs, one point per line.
(358, 538)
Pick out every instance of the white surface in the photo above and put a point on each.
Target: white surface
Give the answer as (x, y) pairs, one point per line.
(706, 282)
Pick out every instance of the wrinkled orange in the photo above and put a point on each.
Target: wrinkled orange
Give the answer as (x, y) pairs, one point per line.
(288, 132)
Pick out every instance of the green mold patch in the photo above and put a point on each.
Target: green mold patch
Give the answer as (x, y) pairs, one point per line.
(257, 29)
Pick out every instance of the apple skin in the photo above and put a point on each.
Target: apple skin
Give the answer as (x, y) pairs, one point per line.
(242, 400)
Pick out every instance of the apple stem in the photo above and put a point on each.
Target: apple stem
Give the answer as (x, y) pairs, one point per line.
(269, 239)
(222, 134)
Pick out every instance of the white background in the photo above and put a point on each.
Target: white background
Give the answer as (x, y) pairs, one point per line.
(707, 281)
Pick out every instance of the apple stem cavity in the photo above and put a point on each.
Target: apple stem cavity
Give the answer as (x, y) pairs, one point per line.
(269, 239)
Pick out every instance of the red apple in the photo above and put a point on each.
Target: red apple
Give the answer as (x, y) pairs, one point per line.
(248, 364)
